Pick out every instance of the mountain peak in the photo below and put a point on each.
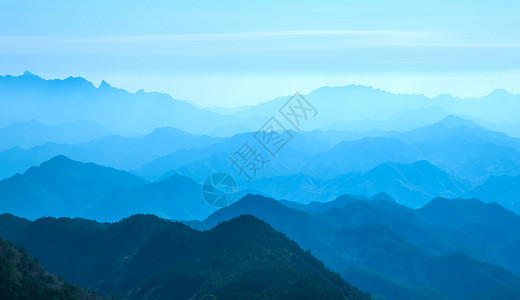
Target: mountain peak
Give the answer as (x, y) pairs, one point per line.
(72, 82)
(255, 198)
(382, 196)
(104, 85)
(28, 74)
(169, 131)
(59, 160)
(452, 121)
(499, 93)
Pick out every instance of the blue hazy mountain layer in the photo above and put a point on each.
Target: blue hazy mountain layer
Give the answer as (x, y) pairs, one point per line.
(30, 134)
(465, 151)
(362, 108)
(28, 97)
(410, 184)
(63, 187)
(364, 186)
(352, 107)
(114, 151)
(457, 158)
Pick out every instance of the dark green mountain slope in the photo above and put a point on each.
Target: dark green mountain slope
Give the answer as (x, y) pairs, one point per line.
(145, 257)
(22, 277)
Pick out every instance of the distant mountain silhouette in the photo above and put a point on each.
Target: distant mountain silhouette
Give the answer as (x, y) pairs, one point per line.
(117, 109)
(363, 155)
(202, 162)
(468, 151)
(315, 206)
(144, 257)
(29, 134)
(375, 108)
(460, 159)
(409, 184)
(176, 198)
(472, 153)
(63, 187)
(489, 222)
(114, 151)
(453, 126)
(473, 161)
(457, 146)
(404, 120)
(339, 202)
(466, 154)
(55, 101)
(503, 189)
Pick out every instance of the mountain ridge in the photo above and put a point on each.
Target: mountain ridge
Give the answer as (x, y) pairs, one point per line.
(399, 235)
(145, 257)
(64, 187)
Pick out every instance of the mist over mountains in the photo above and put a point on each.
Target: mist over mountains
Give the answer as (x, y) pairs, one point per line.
(437, 155)
(52, 102)
(358, 108)
(412, 167)
(404, 196)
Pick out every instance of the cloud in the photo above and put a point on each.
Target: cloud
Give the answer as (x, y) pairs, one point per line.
(312, 40)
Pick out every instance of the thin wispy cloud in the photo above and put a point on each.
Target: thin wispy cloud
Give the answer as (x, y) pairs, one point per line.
(238, 43)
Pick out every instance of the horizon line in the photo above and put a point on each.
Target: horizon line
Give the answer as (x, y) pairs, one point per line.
(194, 103)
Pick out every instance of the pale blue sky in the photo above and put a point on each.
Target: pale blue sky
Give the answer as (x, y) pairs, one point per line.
(229, 53)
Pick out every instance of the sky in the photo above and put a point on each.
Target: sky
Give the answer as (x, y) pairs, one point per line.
(232, 53)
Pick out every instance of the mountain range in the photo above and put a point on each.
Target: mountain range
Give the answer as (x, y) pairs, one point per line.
(145, 257)
(400, 253)
(467, 155)
(33, 133)
(29, 96)
(116, 151)
(389, 250)
(404, 196)
(364, 108)
(63, 187)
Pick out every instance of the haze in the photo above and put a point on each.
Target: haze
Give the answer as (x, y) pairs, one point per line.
(225, 53)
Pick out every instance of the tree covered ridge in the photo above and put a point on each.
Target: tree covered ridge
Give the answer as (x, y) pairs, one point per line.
(22, 277)
(146, 257)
